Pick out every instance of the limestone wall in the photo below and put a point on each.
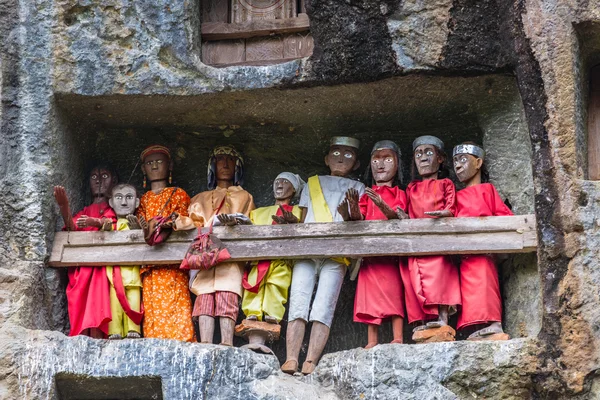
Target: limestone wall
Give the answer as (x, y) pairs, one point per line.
(78, 77)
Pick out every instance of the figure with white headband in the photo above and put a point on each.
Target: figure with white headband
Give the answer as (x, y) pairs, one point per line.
(479, 286)
(431, 283)
(219, 288)
(266, 284)
(319, 203)
(379, 293)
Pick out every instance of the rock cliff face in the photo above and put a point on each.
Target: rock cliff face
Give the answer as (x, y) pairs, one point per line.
(83, 80)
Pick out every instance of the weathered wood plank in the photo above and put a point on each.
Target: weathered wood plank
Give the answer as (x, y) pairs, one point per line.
(224, 52)
(269, 48)
(215, 11)
(298, 45)
(355, 239)
(254, 28)
(594, 125)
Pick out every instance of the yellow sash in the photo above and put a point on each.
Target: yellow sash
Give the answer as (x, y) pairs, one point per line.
(321, 208)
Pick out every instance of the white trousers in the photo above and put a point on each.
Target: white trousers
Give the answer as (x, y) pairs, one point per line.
(330, 276)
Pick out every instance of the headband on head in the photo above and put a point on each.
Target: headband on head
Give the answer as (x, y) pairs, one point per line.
(155, 148)
(428, 139)
(238, 179)
(471, 149)
(295, 180)
(344, 141)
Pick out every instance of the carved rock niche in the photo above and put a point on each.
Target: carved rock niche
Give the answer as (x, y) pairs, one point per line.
(254, 32)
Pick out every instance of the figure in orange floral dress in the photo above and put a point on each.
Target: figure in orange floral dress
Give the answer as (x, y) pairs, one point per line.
(167, 302)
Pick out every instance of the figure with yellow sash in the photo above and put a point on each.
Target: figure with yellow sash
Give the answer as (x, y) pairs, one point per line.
(319, 203)
(125, 281)
(266, 284)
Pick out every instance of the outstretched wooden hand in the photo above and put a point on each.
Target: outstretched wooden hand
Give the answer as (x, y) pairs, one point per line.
(401, 214)
(85, 221)
(287, 217)
(145, 227)
(60, 195)
(227, 219)
(342, 209)
(133, 221)
(439, 213)
(353, 197)
(382, 205)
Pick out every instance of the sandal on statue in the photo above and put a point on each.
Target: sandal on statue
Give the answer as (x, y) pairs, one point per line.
(270, 320)
(133, 335)
(308, 367)
(115, 336)
(290, 367)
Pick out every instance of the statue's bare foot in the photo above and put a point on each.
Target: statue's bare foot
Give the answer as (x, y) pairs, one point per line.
(270, 320)
(133, 335)
(397, 341)
(290, 367)
(371, 345)
(436, 324)
(495, 327)
(115, 336)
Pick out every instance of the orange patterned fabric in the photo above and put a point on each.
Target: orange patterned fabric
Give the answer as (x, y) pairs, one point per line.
(167, 302)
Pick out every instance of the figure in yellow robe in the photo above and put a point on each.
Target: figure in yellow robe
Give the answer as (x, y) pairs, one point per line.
(266, 285)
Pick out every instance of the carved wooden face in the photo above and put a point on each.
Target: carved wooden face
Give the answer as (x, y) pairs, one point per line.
(124, 200)
(283, 189)
(384, 166)
(101, 182)
(466, 166)
(225, 165)
(156, 166)
(342, 160)
(428, 160)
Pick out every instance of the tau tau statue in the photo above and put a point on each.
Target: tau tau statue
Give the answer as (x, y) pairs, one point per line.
(319, 203)
(219, 288)
(479, 287)
(432, 288)
(167, 301)
(88, 289)
(379, 292)
(125, 281)
(266, 283)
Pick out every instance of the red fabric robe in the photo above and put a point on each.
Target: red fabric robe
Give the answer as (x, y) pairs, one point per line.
(379, 291)
(479, 286)
(88, 291)
(429, 281)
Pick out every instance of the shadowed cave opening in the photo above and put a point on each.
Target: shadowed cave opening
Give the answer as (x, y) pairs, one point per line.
(84, 387)
(288, 130)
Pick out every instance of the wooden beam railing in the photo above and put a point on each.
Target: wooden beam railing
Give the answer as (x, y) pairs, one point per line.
(516, 234)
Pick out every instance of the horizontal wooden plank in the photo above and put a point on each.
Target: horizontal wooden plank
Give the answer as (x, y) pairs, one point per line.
(351, 239)
(255, 28)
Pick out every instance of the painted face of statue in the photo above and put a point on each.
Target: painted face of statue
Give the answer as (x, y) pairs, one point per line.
(427, 160)
(384, 166)
(283, 189)
(225, 165)
(342, 160)
(466, 166)
(156, 166)
(124, 200)
(101, 182)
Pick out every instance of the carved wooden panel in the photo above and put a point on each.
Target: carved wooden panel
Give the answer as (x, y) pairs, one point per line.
(270, 48)
(215, 10)
(298, 45)
(224, 52)
(248, 10)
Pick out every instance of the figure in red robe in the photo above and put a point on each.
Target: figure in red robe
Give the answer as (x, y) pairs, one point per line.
(431, 283)
(379, 292)
(480, 289)
(88, 291)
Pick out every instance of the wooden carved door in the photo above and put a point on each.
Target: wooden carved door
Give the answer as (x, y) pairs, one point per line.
(254, 32)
